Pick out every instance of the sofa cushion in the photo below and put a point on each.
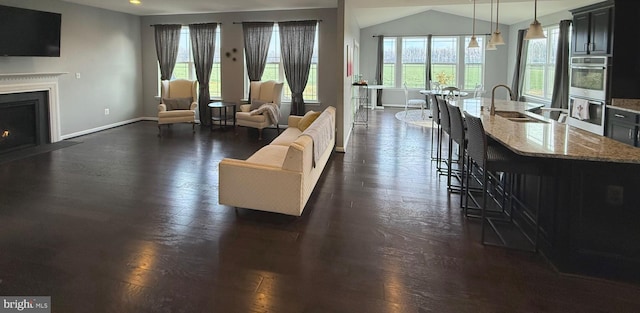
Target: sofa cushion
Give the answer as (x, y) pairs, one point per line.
(177, 103)
(271, 155)
(307, 119)
(288, 136)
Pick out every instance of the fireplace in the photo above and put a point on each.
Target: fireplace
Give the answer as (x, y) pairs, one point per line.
(29, 110)
(24, 120)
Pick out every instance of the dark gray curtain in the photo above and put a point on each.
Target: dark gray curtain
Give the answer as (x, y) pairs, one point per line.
(379, 67)
(296, 43)
(167, 42)
(428, 68)
(560, 96)
(521, 63)
(257, 36)
(203, 47)
(428, 73)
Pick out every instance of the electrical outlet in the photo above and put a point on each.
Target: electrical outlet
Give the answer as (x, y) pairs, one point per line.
(77, 75)
(615, 195)
(106, 111)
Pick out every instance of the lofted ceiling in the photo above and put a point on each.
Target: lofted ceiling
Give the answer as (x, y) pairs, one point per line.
(367, 12)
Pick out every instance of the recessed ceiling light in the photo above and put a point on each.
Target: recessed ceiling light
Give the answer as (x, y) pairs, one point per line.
(136, 2)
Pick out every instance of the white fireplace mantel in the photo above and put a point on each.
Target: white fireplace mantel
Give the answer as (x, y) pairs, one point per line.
(25, 76)
(28, 82)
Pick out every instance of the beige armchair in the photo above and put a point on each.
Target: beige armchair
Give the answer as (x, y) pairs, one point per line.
(260, 92)
(178, 104)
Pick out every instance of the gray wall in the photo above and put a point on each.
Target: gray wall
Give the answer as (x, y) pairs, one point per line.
(231, 37)
(104, 47)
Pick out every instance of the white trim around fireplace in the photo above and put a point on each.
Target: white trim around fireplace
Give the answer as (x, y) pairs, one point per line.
(28, 82)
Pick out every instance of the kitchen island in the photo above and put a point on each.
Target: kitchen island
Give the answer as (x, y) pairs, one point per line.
(589, 221)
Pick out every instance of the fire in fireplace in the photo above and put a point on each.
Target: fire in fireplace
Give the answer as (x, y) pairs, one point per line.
(24, 120)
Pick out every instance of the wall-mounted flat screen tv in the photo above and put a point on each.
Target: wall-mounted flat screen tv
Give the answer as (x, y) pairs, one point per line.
(25, 32)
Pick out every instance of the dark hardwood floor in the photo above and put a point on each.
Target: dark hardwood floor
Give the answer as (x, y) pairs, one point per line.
(128, 222)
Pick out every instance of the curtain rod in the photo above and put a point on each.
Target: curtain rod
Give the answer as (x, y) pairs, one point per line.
(186, 24)
(430, 35)
(274, 21)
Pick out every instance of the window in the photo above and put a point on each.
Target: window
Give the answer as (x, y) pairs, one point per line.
(185, 68)
(275, 69)
(414, 61)
(473, 64)
(444, 60)
(540, 65)
(452, 63)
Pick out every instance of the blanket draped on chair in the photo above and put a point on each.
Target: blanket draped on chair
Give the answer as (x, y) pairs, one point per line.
(271, 110)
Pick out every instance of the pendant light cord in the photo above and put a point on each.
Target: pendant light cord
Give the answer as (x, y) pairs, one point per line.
(497, 12)
(491, 14)
(474, 18)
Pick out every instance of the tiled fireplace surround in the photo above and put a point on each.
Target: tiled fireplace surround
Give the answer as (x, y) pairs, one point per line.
(28, 82)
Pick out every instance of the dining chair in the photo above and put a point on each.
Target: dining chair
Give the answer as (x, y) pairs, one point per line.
(478, 91)
(413, 102)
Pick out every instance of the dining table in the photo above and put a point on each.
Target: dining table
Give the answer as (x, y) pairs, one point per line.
(443, 93)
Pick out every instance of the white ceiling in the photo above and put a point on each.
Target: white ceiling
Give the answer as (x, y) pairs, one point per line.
(367, 12)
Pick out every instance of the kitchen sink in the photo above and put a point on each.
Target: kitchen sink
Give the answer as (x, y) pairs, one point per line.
(518, 117)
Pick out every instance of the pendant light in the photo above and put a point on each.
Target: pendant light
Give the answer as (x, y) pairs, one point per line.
(535, 29)
(496, 38)
(473, 43)
(490, 45)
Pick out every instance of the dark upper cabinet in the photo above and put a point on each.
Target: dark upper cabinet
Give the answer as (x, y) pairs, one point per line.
(592, 30)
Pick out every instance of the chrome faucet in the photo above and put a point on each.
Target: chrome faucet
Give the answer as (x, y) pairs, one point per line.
(493, 97)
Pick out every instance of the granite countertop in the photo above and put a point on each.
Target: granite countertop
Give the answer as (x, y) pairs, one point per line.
(546, 137)
(630, 105)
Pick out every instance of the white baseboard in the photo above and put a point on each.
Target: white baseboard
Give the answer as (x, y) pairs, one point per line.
(101, 128)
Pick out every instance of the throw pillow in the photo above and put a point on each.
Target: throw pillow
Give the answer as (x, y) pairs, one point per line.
(255, 104)
(307, 119)
(177, 103)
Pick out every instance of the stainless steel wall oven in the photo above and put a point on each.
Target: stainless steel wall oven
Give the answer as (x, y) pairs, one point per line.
(588, 92)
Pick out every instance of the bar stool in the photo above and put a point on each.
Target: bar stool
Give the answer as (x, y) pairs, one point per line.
(495, 158)
(457, 136)
(445, 128)
(435, 121)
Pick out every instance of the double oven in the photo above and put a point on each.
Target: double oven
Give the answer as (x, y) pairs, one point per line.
(588, 91)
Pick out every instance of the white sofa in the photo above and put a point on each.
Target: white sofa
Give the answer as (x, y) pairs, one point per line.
(281, 176)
